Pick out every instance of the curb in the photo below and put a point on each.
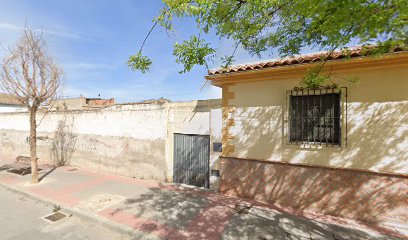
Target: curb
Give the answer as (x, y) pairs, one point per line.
(88, 216)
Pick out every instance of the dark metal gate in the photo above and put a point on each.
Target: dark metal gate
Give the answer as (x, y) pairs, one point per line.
(191, 159)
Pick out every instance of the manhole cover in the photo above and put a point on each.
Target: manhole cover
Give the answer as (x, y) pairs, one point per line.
(55, 217)
(21, 171)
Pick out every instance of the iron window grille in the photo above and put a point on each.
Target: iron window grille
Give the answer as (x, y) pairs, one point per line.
(315, 116)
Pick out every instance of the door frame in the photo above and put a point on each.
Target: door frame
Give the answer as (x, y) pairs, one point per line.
(207, 174)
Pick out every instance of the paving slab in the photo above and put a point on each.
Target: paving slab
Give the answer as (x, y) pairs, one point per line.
(22, 219)
(153, 210)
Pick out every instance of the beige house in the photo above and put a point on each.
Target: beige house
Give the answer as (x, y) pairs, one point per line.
(334, 151)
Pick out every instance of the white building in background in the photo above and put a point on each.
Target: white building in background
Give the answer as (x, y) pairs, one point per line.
(8, 103)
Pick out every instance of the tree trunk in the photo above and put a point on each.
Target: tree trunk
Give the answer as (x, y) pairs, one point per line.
(33, 145)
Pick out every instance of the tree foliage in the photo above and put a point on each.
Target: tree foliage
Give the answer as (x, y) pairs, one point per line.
(192, 52)
(139, 62)
(286, 26)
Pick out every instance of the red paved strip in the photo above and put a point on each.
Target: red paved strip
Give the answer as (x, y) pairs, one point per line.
(120, 179)
(56, 196)
(65, 195)
(230, 201)
(10, 180)
(82, 186)
(140, 224)
(209, 224)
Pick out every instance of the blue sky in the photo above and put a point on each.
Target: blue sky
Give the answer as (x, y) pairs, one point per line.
(92, 40)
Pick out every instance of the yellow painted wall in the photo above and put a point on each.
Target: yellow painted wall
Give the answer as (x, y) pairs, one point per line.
(377, 123)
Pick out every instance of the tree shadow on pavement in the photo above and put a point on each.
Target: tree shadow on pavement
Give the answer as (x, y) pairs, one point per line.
(280, 225)
(187, 214)
(47, 173)
(166, 207)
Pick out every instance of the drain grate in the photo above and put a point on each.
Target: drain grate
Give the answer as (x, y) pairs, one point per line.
(55, 217)
(21, 171)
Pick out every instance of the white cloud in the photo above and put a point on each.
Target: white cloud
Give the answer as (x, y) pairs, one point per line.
(85, 65)
(10, 26)
(19, 28)
(86, 71)
(65, 34)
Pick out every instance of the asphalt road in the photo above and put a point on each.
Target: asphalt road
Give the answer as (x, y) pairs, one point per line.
(21, 218)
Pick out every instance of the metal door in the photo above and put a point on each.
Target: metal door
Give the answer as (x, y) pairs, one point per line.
(191, 159)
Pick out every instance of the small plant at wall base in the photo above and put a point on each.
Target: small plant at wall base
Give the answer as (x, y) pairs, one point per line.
(63, 143)
(312, 79)
(315, 79)
(56, 208)
(30, 74)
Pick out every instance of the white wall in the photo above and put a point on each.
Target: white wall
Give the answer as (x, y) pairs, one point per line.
(11, 108)
(127, 142)
(129, 139)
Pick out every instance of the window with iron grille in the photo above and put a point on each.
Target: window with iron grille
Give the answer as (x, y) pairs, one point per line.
(315, 116)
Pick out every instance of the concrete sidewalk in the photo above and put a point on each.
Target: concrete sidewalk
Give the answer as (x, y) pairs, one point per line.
(153, 210)
(23, 218)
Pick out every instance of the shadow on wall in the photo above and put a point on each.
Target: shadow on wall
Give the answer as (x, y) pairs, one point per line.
(373, 199)
(63, 144)
(377, 141)
(258, 132)
(377, 138)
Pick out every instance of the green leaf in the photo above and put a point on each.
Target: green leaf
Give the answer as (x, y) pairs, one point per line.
(313, 79)
(285, 26)
(139, 62)
(192, 52)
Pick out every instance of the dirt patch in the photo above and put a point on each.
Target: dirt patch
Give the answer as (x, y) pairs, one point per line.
(21, 171)
(100, 201)
(4, 168)
(23, 159)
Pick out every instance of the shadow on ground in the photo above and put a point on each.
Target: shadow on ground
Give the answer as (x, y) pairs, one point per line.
(182, 211)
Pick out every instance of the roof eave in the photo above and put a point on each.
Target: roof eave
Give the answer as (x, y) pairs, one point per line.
(295, 70)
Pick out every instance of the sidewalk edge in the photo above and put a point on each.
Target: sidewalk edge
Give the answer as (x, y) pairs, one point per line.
(122, 229)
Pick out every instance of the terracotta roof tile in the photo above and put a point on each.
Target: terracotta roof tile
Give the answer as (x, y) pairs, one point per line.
(299, 59)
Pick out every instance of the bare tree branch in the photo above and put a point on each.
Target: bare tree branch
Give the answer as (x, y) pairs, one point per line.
(28, 73)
